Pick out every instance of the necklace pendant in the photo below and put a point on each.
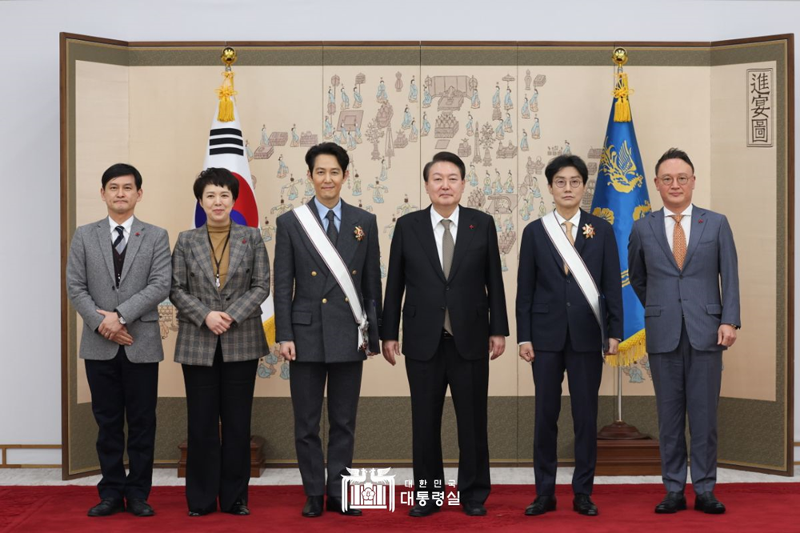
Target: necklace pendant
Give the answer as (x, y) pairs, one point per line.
(216, 282)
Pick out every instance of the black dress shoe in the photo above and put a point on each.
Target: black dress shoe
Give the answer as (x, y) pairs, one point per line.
(335, 505)
(672, 503)
(107, 507)
(708, 503)
(473, 509)
(423, 510)
(313, 506)
(140, 508)
(584, 505)
(239, 508)
(541, 505)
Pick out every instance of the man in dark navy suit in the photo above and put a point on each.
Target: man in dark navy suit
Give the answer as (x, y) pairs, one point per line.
(560, 328)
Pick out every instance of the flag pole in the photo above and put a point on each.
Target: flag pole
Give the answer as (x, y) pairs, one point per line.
(619, 430)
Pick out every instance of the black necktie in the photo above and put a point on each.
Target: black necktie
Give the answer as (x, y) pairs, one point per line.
(332, 232)
(119, 242)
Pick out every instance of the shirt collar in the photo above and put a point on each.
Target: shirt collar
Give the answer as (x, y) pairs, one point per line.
(323, 209)
(576, 219)
(686, 212)
(126, 225)
(436, 217)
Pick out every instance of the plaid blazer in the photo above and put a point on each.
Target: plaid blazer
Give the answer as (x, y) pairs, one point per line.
(195, 294)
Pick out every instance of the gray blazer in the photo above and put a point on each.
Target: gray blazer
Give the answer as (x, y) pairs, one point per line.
(668, 293)
(91, 285)
(310, 307)
(195, 294)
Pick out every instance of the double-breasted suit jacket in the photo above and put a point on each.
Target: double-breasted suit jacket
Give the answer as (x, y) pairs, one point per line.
(310, 307)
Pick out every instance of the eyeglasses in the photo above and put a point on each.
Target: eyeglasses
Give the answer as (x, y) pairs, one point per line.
(573, 183)
(683, 179)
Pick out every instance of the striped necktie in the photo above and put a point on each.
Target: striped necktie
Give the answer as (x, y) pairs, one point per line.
(119, 242)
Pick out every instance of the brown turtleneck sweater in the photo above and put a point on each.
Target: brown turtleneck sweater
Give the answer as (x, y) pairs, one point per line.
(218, 236)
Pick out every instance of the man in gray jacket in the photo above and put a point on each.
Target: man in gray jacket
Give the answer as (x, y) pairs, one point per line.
(679, 258)
(118, 272)
(316, 327)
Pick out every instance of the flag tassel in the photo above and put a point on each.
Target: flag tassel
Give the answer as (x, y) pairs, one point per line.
(622, 106)
(630, 350)
(225, 94)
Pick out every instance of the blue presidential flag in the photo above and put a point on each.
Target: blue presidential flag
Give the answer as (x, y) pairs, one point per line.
(621, 198)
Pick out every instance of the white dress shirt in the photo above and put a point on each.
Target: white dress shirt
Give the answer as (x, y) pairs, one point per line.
(576, 220)
(686, 224)
(438, 229)
(126, 229)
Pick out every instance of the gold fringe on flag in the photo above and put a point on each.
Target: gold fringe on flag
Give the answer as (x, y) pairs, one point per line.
(622, 107)
(630, 351)
(225, 92)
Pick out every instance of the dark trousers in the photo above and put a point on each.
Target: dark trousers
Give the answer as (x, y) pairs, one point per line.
(469, 387)
(219, 394)
(687, 380)
(584, 373)
(123, 390)
(307, 386)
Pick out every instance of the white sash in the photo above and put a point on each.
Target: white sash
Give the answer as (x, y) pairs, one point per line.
(575, 264)
(336, 265)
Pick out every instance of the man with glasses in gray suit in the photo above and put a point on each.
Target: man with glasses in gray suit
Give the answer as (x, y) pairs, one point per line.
(679, 258)
(118, 272)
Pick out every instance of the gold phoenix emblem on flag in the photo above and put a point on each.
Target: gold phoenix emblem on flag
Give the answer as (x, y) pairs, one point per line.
(620, 167)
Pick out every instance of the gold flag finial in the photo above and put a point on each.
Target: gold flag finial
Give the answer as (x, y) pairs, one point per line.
(225, 91)
(619, 56)
(622, 106)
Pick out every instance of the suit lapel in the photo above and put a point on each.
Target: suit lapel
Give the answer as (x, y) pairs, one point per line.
(238, 245)
(656, 221)
(201, 250)
(696, 233)
(105, 243)
(424, 231)
(580, 240)
(466, 231)
(346, 243)
(134, 241)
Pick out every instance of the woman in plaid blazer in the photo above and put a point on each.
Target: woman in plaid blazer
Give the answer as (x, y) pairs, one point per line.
(220, 277)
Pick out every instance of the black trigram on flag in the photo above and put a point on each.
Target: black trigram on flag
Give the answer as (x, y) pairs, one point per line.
(225, 141)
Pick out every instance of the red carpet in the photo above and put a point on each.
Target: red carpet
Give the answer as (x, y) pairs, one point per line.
(761, 507)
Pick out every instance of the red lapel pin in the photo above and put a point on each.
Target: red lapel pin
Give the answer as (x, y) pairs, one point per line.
(137, 233)
(471, 226)
(244, 241)
(699, 220)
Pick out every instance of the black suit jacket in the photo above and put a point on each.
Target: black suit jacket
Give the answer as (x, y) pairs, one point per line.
(473, 293)
(548, 300)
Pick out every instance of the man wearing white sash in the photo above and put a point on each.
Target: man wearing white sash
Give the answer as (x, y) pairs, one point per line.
(327, 300)
(569, 312)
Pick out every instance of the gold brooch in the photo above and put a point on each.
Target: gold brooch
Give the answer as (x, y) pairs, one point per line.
(359, 233)
(588, 231)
